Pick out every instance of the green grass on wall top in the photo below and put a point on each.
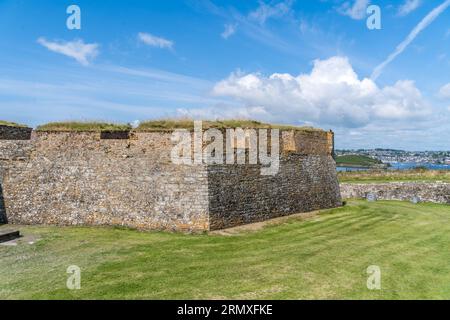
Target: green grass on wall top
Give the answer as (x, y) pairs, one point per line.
(83, 126)
(171, 124)
(158, 125)
(11, 124)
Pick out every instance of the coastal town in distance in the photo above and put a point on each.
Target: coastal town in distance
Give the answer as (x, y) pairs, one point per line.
(393, 159)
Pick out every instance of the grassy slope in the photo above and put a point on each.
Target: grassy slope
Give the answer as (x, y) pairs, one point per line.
(356, 160)
(324, 257)
(394, 176)
(157, 125)
(169, 124)
(83, 126)
(11, 124)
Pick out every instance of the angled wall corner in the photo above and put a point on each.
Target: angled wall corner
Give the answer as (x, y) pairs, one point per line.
(13, 141)
(80, 178)
(3, 217)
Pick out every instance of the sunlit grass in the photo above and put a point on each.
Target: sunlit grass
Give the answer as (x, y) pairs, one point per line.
(356, 160)
(11, 124)
(324, 257)
(83, 126)
(171, 124)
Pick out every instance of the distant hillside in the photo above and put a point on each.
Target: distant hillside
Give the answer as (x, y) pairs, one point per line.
(357, 161)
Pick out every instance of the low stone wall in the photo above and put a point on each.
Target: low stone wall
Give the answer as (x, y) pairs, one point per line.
(438, 192)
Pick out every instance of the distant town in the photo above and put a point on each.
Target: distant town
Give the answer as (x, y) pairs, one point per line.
(401, 156)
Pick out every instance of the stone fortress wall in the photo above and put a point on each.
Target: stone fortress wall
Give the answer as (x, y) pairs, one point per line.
(128, 179)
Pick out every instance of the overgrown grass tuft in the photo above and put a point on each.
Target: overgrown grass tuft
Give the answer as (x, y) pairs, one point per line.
(11, 124)
(83, 126)
(172, 124)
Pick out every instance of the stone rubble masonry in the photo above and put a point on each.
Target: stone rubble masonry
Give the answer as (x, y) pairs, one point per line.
(87, 178)
(435, 192)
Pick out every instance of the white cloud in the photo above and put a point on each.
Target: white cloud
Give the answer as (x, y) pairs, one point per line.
(414, 33)
(252, 29)
(356, 11)
(155, 41)
(444, 92)
(222, 111)
(266, 11)
(77, 49)
(102, 92)
(408, 6)
(331, 94)
(230, 29)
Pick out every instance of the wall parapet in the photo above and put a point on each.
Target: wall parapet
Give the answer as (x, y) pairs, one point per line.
(308, 142)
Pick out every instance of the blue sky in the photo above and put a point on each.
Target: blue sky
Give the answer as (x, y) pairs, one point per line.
(306, 62)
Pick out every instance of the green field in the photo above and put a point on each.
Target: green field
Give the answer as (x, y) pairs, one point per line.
(357, 161)
(321, 257)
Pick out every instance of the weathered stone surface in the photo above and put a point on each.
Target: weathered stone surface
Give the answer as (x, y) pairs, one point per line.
(69, 178)
(78, 178)
(308, 142)
(240, 194)
(438, 192)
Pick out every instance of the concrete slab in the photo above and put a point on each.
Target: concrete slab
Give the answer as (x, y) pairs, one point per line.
(8, 235)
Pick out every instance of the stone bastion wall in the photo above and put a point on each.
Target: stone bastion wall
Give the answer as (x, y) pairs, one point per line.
(128, 179)
(435, 192)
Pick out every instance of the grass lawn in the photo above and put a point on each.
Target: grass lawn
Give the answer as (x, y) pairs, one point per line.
(323, 257)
